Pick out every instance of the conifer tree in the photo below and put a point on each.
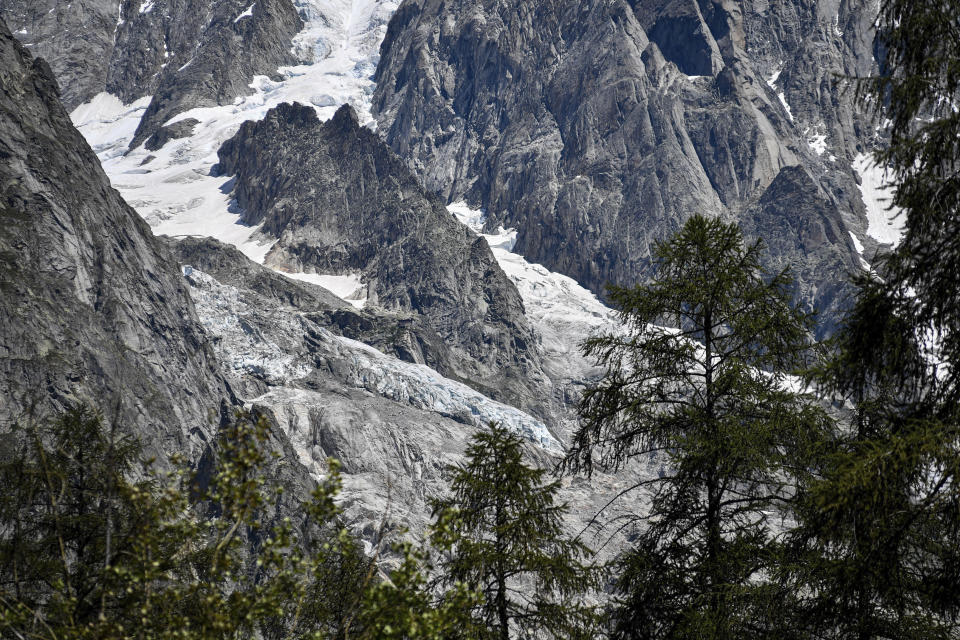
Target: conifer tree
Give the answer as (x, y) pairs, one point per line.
(876, 547)
(917, 93)
(503, 532)
(878, 540)
(87, 552)
(67, 512)
(698, 379)
(406, 607)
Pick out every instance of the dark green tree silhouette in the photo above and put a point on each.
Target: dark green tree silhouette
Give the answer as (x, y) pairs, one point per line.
(878, 536)
(698, 380)
(876, 546)
(502, 530)
(89, 551)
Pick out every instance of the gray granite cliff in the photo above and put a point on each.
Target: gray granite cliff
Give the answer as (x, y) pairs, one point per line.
(596, 127)
(340, 201)
(94, 308)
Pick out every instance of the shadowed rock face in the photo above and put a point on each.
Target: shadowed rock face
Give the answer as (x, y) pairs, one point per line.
(93, 307)
(184, 53)
(340, 202)
(76, 40)
(596, 128)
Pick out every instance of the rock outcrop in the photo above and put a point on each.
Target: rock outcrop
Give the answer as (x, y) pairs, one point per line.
(596, 128)
(93, 307)
(186, 54)
(340, 202)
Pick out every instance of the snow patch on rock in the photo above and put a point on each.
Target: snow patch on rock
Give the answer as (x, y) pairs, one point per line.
(818, 143)
(248, 13)
(772, 83)
(883, 223)
(859, 247)
(347, 287)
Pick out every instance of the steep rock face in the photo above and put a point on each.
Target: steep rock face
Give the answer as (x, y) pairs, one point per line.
(801, 227)
(76, 39)
(340, 202)
(93, 307)
(596, 128)
(220, 47)
(184, 53)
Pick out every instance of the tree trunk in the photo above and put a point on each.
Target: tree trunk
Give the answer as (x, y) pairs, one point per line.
(714, 538)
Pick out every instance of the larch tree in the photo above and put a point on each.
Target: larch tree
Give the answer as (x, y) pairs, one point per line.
(502, 531)
(878, 539)
(699, 378)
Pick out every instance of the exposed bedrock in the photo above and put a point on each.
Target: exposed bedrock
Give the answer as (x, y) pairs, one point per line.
(339, 201)
(94, 308)
(596, 128)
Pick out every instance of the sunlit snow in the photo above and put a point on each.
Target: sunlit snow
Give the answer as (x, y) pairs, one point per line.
(347, 287)
(818, 143)
(246, 14)
(883, 224)
(108, 124)
(772, 83)
(172, 188)
(859, 247)
(772, 80)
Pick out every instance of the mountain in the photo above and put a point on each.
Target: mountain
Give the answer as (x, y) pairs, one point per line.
(596, 128)
(338, 201)
(93, 307)
(382, 278)
(160, 332)
(393, 424)
(178, 54)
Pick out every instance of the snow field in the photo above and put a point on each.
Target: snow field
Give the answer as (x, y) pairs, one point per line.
(883, 224)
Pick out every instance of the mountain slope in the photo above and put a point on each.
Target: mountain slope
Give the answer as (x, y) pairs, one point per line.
(179, 54)
(595, 128)
(394, 425)
(93, 306)
(338, 201)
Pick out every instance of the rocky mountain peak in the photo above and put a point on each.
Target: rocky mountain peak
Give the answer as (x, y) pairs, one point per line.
(294, 114)
(596, 128)
(339, 202)
(345, 119)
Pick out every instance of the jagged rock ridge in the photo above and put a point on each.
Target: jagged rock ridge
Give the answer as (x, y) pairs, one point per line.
(339, 201)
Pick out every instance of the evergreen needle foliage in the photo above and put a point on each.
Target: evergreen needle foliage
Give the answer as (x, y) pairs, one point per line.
(502, 531)
(878, 535)
(698, 380)
(876, 547)
(918, 91)
(86, 552)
